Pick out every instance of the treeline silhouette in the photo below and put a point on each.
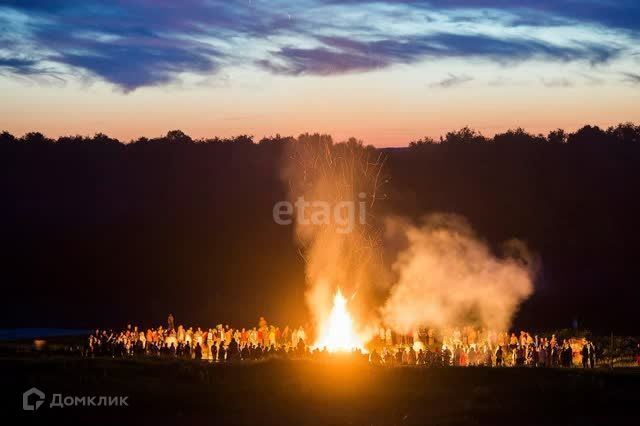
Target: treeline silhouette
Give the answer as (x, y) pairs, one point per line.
(622, 133)
(97, 231)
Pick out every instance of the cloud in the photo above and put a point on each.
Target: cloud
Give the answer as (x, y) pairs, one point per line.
(135, 43)
(631, 77)
(624, 14)
(451, 81)
(320, 61)
(140, 64)
(141, 43)
(20, 66)
(592, 79)
(29, 69)
(611, 13)
(557, 82)
(341, 55)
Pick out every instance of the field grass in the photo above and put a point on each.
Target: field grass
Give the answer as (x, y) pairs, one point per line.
(338, 391)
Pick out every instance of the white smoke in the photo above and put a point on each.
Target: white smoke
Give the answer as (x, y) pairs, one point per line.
(444, 275)
(340, 253)
(447, 277)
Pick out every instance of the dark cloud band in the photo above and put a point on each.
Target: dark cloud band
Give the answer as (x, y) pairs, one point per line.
(147, 42)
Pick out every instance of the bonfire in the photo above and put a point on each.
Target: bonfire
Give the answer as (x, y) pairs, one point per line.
(337, 334)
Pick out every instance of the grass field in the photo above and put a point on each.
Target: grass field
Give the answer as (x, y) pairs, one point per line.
(339, 391)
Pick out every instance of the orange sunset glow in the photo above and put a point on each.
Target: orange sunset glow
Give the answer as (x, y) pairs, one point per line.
(394, 82)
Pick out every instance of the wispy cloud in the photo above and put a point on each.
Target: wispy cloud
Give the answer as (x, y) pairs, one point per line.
(451, 81)
(19, 66)
(592, 79)
(631, 77)
(341, 55)
(557, 82)
(30, 70)
(141, 43)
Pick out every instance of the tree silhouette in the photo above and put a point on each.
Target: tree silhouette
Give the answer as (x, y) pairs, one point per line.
(185, 225)
(36, 138)
(558, 136)
(588, 135)
(465, 135)
(517, 136)
(178, 136)
(624, 133)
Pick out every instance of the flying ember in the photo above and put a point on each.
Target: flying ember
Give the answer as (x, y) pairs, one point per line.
(337, 333)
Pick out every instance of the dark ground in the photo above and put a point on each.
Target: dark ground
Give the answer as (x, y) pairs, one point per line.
(341, 392)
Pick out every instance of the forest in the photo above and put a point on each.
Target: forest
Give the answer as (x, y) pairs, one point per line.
(98, 231)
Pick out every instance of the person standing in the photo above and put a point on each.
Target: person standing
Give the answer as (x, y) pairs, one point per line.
(302, 335)
(487, 361)
(170, 322)
(542, 356)
(592, 355)
(585, 355)
(272, 336)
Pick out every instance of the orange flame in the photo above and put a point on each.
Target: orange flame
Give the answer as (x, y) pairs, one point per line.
(337, 332)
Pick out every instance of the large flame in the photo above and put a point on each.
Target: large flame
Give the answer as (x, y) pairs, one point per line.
(337, 332)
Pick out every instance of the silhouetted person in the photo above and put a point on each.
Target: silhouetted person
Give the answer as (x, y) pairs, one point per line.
(499, 356)
(566, 355)
(411, 358)
(520, 356)
(232, 350)
(446, 357)
(244, 353)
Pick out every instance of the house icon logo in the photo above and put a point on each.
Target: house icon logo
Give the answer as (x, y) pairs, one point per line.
(29, 395)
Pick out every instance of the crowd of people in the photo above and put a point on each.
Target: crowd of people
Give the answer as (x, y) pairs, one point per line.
(520, 351)
(221, 343)
(470, 346)
(466, 346)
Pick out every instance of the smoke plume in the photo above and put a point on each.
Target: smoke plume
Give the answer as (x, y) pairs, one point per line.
(447, 277)
(343, 249)
(436, 273)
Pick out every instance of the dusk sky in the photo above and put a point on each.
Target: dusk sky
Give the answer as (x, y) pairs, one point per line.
(386, 72)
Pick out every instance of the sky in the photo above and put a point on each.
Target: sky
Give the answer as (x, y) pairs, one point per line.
(386, 72)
